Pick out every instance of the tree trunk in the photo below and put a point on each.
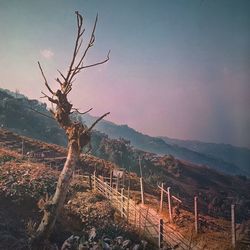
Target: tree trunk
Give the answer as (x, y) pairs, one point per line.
(52, 208)
(78, 134)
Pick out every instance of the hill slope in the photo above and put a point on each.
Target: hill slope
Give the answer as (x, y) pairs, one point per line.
(233, 161)
(238, 156)
(215, 190)
(17, 114)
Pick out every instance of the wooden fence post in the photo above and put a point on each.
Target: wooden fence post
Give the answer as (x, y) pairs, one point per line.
(111, 178)
(139, 220)
(161, 202)
(142, 191)
(94, 180)
(135, 217)
(90, 182)
(196, 215)
(106, 189)
(117, 183)
(169, 205)
(160, 237)
(128, 203)
(123, 179)
(122, 200)
(233, 225)
(22, 147)
(145, 220)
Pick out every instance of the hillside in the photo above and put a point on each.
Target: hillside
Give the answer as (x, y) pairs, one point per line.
(24, 180)
(215, 190)
(226, 158)
(25, 184)
(186, 179)
(236, 155)
(18, 115)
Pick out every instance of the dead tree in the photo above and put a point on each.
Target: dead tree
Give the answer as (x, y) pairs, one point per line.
(77, 133)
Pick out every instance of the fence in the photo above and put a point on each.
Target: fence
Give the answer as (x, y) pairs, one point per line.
(148, 222)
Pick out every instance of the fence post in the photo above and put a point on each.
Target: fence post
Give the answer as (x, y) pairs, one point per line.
(123, 179)
(142, 192)
(233, 225)
(128, 203)
(135, 217)
(22, 147)
(161, 202)
(169, 205)
(122, 214)
(106, 189)
(111, 178)
(94, 180)
(139, 220)
(90, 182)
(145, 220)
(117, 183)
(196, 214)
(160, 237)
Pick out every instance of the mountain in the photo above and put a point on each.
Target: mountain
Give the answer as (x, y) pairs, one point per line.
(238, 156)
(215, 189)
(236, 162)
(17, 114)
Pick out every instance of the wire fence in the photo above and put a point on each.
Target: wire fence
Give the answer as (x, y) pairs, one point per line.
(148, 222)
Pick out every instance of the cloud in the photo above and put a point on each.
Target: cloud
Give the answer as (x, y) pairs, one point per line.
(47, 53)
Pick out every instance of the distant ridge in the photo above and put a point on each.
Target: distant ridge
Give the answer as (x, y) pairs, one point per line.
(16, 116)
(223, 157)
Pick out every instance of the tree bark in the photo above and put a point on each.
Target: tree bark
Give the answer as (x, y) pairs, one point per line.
(52, 208)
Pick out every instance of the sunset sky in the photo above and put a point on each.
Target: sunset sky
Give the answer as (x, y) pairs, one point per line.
(178, 68)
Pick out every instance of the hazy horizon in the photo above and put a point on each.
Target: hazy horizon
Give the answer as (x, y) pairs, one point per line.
(177, 68)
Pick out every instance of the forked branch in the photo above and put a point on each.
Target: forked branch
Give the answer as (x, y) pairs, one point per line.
(75, 67)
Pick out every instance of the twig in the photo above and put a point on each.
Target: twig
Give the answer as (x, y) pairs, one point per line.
(100, 118)
(45, 80)
(81, 113)
(96, 64)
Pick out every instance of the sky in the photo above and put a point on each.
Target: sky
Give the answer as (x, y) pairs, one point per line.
(177, 68)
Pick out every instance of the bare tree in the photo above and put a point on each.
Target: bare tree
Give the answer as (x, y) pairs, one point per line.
(77, 133)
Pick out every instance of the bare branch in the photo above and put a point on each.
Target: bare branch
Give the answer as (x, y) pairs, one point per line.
(64, 78)
(59, 81)
(44, 95)
(40, 113)
(49, 98)
(90, 44)
(45, 80)
(95, 64)
(100, 118)
(81, 113)
(80, 32)
(68, 90)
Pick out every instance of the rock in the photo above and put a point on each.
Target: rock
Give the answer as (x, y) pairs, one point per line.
(92, 234)
(136, 247)
(144, 244)
(70, 243)
(119, 240)
(126, 244)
